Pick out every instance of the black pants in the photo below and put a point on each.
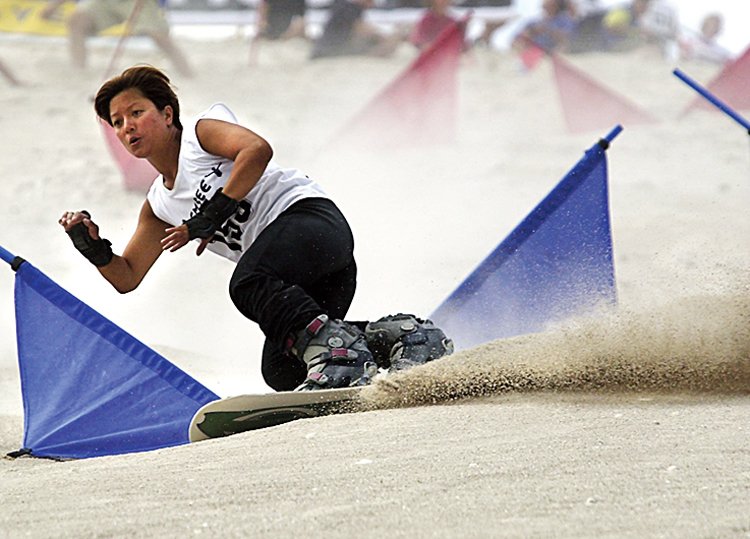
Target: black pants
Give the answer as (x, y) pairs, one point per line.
(301, 265)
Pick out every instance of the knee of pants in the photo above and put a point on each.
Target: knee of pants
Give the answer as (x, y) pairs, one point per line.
(247, 291)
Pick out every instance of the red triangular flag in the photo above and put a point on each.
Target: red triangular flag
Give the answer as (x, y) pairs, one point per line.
(530, 56)
(137, 174)
(587, 105)
(730, 86)
(419, 106)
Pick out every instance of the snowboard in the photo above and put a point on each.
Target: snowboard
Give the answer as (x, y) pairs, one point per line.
(250, 412)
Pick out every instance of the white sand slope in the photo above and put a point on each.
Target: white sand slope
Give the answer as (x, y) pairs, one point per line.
(629, 424)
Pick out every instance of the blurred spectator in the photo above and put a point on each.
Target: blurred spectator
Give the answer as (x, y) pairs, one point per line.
(703, 46)
(8, 74)
(484, 3)
(621, 26)
(281, 19)
(92, 16)
(435, 19)
(395, 4)
(346, 33)
(491, 26)
(278, 20)
(660, 26)
(589, 34)
(552, 31)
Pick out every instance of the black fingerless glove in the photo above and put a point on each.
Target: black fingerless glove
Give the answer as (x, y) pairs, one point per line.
(211, 216)
(98, 252)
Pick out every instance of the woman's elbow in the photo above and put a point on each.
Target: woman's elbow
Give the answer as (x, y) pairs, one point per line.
(123, 286)
(124, 289)
(264, 151)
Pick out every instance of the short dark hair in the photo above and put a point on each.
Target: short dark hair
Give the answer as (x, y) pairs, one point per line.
(152, 83)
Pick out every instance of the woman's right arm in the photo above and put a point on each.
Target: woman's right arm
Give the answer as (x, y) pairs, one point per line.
(125, 272)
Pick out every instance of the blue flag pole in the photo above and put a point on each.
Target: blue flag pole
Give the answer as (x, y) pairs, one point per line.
(609, 137)
(7, 256)
(10, 258)
(718, 103)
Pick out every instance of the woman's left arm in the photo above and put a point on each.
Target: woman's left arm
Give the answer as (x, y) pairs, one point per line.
(251, 155)
(249, 151)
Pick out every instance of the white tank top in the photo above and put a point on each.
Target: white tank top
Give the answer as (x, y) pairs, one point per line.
(200, 174)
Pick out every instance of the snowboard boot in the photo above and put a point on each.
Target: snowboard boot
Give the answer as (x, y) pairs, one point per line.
(335, 353)
(402, 341)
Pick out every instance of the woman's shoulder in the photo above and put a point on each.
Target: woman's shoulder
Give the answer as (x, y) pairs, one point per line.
(218, 111)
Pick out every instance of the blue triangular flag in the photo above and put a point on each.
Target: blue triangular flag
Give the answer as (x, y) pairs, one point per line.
(89, 388)
(556, 263)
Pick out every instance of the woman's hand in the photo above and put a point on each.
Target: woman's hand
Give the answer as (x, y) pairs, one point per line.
(178, 237)
(70, 219)
(84, 234)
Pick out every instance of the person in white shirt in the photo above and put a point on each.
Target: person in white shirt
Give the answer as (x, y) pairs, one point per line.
(660, 25)
(703, 46)
(295, 274)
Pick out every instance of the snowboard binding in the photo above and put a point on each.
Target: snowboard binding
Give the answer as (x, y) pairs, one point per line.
(336, 355)
(402, 341)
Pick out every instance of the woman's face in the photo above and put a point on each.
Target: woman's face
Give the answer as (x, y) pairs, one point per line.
(138, 124)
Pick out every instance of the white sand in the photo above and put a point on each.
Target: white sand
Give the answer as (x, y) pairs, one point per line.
(630, 425)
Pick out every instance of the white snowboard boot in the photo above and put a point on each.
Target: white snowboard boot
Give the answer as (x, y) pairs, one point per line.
(335, 353)
(402, 341)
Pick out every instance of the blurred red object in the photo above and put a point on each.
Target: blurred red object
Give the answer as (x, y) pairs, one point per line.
(419, 107)
(587, 105)
(730, 86)
(137, 174)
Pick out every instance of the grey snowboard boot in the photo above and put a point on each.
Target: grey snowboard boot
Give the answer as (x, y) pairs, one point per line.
(335, 353)
(402, 341)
